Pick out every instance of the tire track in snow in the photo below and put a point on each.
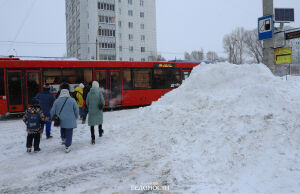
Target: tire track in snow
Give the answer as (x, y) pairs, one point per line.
(60, 179)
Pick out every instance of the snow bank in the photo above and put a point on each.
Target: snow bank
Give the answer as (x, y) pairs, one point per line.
(228, 128)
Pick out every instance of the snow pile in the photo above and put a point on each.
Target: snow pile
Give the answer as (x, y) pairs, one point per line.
(228, 128)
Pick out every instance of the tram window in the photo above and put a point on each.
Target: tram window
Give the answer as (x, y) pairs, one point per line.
(2, 90)
(142, 78)
(72, 76)
(57, 76)
(88, 75)
(101, 78)
(166, 78)
(53, 76)
(127, 81)
(33, 85)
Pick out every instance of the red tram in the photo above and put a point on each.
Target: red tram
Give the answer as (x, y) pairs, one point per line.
(125, 83)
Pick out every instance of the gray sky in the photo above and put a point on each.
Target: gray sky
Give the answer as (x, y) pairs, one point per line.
(182, 25)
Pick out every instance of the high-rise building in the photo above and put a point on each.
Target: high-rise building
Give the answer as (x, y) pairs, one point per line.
(122, 30)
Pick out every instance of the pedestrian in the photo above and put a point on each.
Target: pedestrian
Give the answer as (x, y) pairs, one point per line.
(46, 100)
(33, 118)
(78, 96)
(95, 103)
(66, 108)
(86, 90)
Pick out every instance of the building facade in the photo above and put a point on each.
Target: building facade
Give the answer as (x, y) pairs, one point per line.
(122, 30)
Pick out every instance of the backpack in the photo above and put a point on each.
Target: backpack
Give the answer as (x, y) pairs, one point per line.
(74, 95)
(33, 120)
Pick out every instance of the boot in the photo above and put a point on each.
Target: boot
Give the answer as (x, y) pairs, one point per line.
(100, 131)
(67, 149)
(93, 141)
(28, 149)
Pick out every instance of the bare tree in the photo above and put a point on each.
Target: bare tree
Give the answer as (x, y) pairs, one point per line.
(159, 58)
(233, 44)
(253, 45)
(212, 56)
(187, 56)
(195, 55)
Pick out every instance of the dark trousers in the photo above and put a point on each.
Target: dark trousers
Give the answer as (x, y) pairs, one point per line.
(93, 131)
(67, 134)
(85, 112)
(33, 137)
(48, 126)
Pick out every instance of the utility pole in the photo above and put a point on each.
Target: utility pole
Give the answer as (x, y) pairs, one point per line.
(96, 49)
(268, 45)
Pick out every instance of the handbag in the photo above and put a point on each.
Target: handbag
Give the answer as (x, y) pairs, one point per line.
(56, 118)
(100, 105)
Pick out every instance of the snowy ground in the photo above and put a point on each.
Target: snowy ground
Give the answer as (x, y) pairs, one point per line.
(227, 129)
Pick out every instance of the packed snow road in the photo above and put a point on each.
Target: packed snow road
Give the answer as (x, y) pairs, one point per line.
(226, 129)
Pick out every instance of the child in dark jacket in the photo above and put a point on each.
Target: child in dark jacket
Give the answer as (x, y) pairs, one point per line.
(33, 118)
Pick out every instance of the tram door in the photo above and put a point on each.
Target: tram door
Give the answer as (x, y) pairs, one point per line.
(110, 81)
(115, 87)
(185, 74)
(33, 84)
(101, 77)
(15, 94)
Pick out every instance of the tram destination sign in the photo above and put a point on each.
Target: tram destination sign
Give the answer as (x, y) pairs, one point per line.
(163, 65)
(292, 35)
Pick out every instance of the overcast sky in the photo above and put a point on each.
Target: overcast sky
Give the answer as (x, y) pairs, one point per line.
(182, 25)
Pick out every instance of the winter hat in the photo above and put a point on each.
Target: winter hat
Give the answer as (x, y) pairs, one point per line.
(46, 86)
(65, 85)
(34, 102)
(81, 85)
(95, 84)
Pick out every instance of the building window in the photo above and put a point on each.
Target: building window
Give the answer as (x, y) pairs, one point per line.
(106, 32)
(106, 19)
(120, 24)
(130, 24)
(106, 6)
(120, 48)
(130, 2)
(130, 36)
(120, 36)
(142, 26)
(142, 14)
(143, 59)
(142, 3)
(120, 11)
(131, 59)
(143, 37)
(120, 59)
(143, 49)
(130, 12)
(131, 48)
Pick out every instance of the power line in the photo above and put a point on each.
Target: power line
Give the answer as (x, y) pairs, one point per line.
(22, 24)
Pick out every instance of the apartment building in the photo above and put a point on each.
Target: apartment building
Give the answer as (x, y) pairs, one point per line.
(122, 30)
